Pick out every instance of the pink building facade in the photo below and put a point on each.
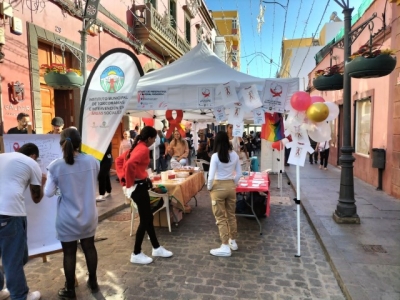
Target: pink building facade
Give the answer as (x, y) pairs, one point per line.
(376, 105)
(118, 24)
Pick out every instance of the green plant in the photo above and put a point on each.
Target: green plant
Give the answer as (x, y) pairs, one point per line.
(59, 68)
(371, 51)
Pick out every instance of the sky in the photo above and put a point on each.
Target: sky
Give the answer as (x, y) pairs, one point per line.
(302, 20)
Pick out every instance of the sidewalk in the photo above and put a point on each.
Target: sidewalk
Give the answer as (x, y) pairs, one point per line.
(363, 272)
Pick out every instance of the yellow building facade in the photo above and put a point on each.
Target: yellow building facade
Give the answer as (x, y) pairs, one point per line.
(287, 46)
(228, 26)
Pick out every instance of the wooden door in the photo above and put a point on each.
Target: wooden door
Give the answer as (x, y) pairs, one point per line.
(116, 141)
(48, 111)
(64, 106)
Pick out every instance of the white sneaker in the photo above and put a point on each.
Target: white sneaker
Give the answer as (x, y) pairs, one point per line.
(141, 258)
(33, 296)
(107, 195)
(162, 252)
(233, 245)
(4, 294)
(224, 250)
(100, 198)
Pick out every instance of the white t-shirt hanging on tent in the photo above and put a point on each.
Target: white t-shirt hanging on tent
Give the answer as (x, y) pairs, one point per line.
(250, 97)
(219, 113)
(228, 92)
(298, 153)
(258, 116)
(237, 129)
(206, 97)
(236, 113)
(274, 96)
(299, 135)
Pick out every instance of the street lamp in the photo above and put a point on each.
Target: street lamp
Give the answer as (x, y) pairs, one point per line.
(89, 16)
(274, 2)
(346, 209)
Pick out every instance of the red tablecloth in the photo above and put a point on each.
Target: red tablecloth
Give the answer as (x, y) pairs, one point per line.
(255, 182)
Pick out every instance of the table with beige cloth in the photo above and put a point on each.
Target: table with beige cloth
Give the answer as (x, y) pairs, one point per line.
(183, 190)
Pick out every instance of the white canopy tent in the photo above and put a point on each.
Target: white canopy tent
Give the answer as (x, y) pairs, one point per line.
(182, 79)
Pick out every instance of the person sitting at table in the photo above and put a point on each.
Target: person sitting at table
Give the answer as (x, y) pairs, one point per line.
(131, 169)
(203, 154)
(223, 176)
(178, 149)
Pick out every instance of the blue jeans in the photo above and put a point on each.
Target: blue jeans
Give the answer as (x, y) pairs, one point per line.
(162, 164)
(14, 253)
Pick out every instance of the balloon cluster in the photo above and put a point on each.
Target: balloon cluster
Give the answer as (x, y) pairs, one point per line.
(312, 114)
(308, 117)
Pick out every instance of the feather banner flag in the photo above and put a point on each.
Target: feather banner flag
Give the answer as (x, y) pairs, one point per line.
(273, 129)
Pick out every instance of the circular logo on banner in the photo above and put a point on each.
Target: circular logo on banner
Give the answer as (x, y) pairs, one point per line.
(112, 79)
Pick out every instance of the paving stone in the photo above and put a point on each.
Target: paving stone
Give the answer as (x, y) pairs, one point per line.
(263, 268)
(203, 289)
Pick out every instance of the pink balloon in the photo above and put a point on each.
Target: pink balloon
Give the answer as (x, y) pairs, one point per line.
(316, 99)
(277, 145)
(300, 101)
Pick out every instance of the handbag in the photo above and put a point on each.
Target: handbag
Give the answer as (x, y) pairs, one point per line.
(157, 202)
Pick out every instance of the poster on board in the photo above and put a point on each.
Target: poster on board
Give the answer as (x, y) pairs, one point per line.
(107, 93)
(41, 217)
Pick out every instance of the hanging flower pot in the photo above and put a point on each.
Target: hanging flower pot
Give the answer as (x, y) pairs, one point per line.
(328, 82)
(330, 79)
(370, 67)
(371, 63)
(60, 78)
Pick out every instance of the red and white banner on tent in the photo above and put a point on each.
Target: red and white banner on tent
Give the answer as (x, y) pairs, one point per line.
(108, 90)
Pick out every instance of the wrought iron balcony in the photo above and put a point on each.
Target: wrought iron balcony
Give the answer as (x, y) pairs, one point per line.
(156, 32)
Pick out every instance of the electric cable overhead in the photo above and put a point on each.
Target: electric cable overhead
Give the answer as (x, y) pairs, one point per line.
(319, 24)
(305, 28)
(266, 56)
(272, 41)
(284, 27)
(297, 19)
(240, 34)
(252, 29)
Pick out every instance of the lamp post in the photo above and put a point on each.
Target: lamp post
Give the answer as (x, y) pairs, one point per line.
(346, 209)
(89, 16)
(274, 2)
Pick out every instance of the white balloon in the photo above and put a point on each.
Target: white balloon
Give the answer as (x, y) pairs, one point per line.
(294, 120)
(333, 111)
(158, 125)
(321, 133)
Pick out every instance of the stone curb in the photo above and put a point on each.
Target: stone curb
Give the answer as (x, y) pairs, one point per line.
(112, 211)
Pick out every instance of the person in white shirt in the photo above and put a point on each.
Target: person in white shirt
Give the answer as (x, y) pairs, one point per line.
(18, 170)
(154, 153)
(126, 143)
(223, 176)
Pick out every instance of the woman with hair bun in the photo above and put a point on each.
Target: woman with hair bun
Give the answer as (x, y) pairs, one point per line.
(131, 169)
(74, 178)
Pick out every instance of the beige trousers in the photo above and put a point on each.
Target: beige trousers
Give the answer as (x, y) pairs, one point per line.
(223, 203)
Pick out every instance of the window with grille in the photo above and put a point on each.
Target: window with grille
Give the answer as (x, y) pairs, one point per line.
(187, 29)
(172, 12)
(234, 55)
(153, 3)
(362, 126)
(234, 24)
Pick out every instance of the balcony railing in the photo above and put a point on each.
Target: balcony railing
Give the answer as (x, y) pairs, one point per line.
(155, 29)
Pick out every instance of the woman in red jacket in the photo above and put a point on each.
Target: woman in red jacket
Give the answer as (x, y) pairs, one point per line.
(131, 169)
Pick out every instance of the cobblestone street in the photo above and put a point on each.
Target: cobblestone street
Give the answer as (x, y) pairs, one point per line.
(264, 267)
